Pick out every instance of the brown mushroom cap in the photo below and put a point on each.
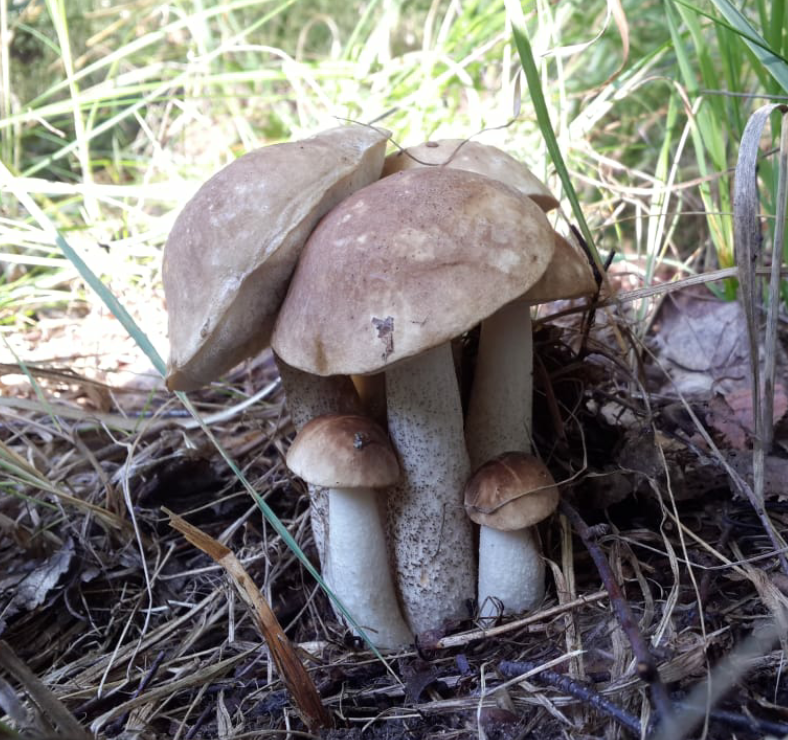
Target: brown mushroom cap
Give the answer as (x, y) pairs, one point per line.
(232, 250)
(568, 276)
(407, 264)
(344, 451)
(475, 157)
(512, 491)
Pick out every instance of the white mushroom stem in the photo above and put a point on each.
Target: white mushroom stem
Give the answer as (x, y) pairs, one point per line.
(511, 572)
(357, 567)
(309, 396)
(501, 403)
(500, 420)
(429, 535)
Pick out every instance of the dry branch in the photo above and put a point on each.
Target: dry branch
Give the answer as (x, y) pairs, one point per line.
(646, 665)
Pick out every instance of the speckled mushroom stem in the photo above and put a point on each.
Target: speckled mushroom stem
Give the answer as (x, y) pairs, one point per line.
(499, 420)
(309, 396)
(501, 403)
(429, 535)
(357, 566)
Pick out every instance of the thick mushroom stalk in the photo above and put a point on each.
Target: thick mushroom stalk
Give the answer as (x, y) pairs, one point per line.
(352, 459)
(430, 536)
(511, 572)
(507, 496)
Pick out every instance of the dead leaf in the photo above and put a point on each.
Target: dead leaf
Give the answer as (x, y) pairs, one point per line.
(740, 402)
(731, 415)
(702, 342)
(418, 676)
(721, 418)
(33, 589)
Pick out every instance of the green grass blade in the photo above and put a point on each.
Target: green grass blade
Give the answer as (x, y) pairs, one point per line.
(531, 71)
(772, 60)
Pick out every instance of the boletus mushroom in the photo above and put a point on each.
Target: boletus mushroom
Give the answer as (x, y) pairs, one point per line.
(499, 417)
(385, 282)
(507, 496)
(352, 458)
(231, 253)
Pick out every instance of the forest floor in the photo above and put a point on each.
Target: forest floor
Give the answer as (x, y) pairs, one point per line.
(114, 625)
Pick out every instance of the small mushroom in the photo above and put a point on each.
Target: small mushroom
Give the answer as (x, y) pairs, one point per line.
(507, 496)
(352, 457)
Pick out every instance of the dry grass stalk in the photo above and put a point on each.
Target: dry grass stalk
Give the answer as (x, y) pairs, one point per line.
(46, 701)
(289, 665)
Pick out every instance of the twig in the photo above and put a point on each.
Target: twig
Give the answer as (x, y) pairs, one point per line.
(646, 666)
(463, 638)
(511, 669)
(199, 722)
(743, 721)
(117, 725)
(40, 694)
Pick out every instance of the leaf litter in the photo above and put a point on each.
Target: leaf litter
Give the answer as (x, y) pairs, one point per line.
(94, 634)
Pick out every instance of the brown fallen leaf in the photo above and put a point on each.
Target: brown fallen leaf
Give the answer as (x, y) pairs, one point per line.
(731, 414)
(298, 682)
(740, 402)
(721, 418)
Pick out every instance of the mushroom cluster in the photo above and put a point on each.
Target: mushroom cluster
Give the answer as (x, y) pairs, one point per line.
(394, 261)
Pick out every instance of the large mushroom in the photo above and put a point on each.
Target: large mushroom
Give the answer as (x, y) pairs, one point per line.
(232, 250)
(352, 458)
(385, 282)
(462, 154)
(499, 416)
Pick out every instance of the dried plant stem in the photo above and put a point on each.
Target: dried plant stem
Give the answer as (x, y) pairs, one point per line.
(463, 638)
(293, 673)
(579, 690)
(39, 693)
(647, 666)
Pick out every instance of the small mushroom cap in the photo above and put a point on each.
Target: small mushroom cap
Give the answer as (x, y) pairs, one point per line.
(233, 248)
(475, 157)
(343, 451)
(512, 491)
(569, 275)
(407, 264)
